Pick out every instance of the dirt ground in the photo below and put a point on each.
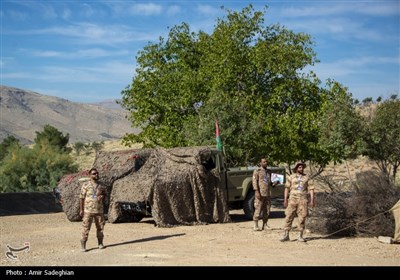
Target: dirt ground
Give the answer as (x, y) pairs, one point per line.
(54, 241)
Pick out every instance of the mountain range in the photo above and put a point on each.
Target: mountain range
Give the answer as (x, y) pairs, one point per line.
(24, 112)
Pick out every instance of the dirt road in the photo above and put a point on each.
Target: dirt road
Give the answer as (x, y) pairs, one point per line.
(54, 241)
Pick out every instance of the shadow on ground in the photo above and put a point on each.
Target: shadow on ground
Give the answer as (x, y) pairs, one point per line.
(237, 218)
(160, 237)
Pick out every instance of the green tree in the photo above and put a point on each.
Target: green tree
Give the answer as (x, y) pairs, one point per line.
(54, 137)
(6, 144)
(78, 147)
(249, 74)
(49, 166)
(382, 141)
(341, 127)
(38, 169)
(15, 170)
(367, 100)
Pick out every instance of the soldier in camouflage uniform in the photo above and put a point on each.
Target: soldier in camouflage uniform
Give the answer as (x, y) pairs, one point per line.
(92, 197)
(262, 188)
(298, 186)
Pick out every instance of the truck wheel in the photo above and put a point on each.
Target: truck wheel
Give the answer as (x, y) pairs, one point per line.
(137, 218)
(248, 205)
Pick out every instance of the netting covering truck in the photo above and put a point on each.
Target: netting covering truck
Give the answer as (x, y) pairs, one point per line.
(175, 186)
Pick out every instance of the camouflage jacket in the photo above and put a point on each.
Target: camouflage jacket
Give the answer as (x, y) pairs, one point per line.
(262, 181)
(91, 193)
(298, 185)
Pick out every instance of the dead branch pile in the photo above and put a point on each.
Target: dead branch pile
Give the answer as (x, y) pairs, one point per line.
(331, 214)
(375, 193)
(361, 211)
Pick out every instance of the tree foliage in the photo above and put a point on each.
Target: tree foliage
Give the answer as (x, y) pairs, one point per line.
(38, 169)
(341, 127)
(53, 137)
(6, 144)
(251, 75)
(79, 147)
(382, 139)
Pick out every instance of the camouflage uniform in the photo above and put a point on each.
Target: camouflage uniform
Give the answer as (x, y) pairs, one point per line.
(93, 208)
(298, 186)
(262, 182)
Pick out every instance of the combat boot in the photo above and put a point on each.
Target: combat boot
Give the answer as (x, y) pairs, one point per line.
(300, 238)
(265, 226)
(285, 236)
(83, 245)
(256, 228)
(100, 241)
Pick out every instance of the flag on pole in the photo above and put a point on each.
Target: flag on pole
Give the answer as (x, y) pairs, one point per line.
(217, 136)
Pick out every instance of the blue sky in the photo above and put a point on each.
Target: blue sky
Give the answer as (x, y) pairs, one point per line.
(84, 51)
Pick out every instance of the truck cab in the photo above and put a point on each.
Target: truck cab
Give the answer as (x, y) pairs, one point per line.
(238, 181)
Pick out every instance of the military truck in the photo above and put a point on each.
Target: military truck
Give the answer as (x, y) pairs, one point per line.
(178, 185)
(238, 184)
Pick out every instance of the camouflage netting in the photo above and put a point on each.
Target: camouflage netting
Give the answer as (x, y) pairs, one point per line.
(70, 186)
(362, 212)
(177, 184)
(111, 167)
(185, 192)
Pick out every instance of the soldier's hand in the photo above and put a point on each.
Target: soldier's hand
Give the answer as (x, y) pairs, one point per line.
(258, 195)
(81, 213)
(285, 203)
(312, 203)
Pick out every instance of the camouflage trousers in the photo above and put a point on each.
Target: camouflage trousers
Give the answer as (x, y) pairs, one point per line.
(262, 208)
(296, 206)
(87, 221)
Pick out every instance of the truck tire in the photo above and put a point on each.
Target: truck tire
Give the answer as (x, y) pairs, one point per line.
(248, 205)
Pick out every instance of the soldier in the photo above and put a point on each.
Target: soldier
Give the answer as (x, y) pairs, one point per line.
(91, 200)
(262, 188)
(298, 186)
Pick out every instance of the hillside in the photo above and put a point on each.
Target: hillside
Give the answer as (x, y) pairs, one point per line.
(23, 112)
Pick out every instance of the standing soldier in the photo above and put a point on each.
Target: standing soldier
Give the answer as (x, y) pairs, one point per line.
(262, 188)
(91, 201)
(298, 186)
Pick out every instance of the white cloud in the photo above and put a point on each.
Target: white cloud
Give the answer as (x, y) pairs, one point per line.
(108, 73)
(16, 75)
(16, 15)
(341, 28)
(357, 65)
(209, 11)
(82, 53)
(66, 14)
(89, 33)
(48, 12)
(330, 8)
(173, 10)
(5, 60)
(148, 9)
